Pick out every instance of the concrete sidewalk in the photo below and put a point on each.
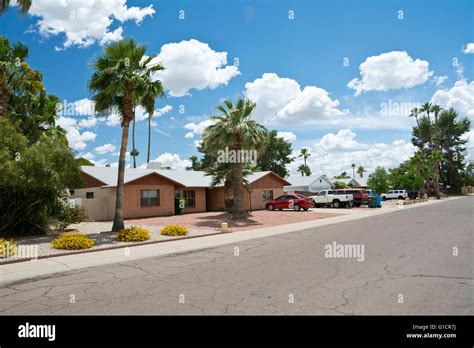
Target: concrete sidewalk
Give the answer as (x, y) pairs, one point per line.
(36, 268)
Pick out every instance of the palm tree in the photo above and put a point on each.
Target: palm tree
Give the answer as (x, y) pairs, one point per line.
(304, 152)
(24, 5)
(414, 113)
(428, 107)
(119, 74)
(235, 130)
(12, 71)
(152, 89)
(304, 170)
(361, 170)
(353, 170)
(194, 163)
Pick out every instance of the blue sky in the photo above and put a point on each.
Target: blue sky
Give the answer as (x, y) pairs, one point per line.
(295, 59)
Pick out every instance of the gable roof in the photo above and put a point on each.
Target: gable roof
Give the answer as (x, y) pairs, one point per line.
(306, 180)
(188, 178)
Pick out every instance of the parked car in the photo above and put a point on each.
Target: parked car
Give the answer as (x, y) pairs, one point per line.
(360, 196)
(371, 192)
(395, 194)
(332, 198)
(289, 201)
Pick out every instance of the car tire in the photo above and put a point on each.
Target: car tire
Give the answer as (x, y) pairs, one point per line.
(336, 203)
(357, 205)
(400, 197)
(271, 207)
(305, 209)
(384, 198)
(296, 207)
(351, 204)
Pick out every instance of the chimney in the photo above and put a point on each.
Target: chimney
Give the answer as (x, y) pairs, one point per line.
(153, 165)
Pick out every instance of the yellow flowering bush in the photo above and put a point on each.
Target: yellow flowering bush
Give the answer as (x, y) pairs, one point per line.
(133, 234)
(174, 230)
(72, 241)
(7, 248)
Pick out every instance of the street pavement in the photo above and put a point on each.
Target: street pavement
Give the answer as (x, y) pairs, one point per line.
(415, 261)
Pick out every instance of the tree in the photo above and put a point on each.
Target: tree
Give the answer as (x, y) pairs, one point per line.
(83, 162)
(235, 130)
(152, 89)
(353, 170)
(343, 175)
(361, 170)
(379, 180)
(304, 170)
(304, 152)
(24, 5)
(276, 155)
(194, 164)
(339, 185)
(120, 75)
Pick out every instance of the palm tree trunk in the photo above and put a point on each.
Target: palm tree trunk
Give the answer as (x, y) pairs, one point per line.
(3, 99)
(149, 139)
(238, 211)
(133, 145)
(118, 218)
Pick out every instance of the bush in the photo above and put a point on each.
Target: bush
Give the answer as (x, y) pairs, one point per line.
(7, 248)
(72, 241)
(71, 215)
(133, 234)
(174, 230)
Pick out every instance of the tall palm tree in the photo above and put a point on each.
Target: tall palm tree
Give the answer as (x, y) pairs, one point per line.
(428, 107)
(304, 152)
(24, 5)
(414, 113)
(119, 74)
(361, 170)
(152, 89)
(304, 170)
(353, 170)
(235, 130)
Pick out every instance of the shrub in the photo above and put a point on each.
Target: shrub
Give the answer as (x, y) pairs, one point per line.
(133, 234)
(72, 241)
(174, 230)
(7, 248)
(71, 215)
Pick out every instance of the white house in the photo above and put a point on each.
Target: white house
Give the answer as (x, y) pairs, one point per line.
(307, 184)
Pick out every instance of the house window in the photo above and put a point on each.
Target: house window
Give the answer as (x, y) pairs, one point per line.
(89, 195)
(267, 195)
(149, 198)
(71, 192)
(189, 199)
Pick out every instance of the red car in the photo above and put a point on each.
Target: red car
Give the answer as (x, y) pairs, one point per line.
(289, 201)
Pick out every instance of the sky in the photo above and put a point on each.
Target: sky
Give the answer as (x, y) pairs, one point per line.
(338, 77)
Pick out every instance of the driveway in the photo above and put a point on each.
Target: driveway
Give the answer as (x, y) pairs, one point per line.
(256, 219)
(409, 267)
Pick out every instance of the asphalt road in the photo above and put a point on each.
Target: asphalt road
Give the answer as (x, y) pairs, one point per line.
(408, 267)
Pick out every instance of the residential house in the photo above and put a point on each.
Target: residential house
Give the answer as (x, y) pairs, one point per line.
(307, 185)
(151, 191)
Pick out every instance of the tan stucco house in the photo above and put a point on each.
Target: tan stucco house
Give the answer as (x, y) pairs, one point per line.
(151, 192)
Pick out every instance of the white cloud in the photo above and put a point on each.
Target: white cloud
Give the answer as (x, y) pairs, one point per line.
(288, 136)
(392, 70)
(84, 107)
(469, 49)
(164, 110)
(173, 160)
(88, 122)
(114, 119)
(106, 148)
(438, 80)
(78, 140)
(281, 100)
(193, 64)
(85, 22)
(343, 140)
(197, 128)
(66, 122)
(460, 97)
(334, 153)
(89, 156)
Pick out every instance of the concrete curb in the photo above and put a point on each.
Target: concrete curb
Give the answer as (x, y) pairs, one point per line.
(15, 272)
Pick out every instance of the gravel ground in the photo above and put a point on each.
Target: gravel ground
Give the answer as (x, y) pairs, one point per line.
(198, 224)
(102, 240)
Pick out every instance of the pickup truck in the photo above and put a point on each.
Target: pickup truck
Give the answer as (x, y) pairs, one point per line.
(331, 198)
